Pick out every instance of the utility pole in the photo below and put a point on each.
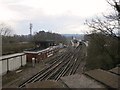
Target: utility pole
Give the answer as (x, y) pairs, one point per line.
(31, 28)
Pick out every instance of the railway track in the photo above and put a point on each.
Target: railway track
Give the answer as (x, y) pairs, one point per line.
(59, 66)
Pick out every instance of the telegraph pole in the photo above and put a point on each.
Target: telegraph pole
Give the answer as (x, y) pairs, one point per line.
(31, 28)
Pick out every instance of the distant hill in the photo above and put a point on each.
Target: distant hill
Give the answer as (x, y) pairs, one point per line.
(77, 36)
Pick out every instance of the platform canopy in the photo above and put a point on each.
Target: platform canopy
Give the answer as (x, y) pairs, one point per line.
(45, 44)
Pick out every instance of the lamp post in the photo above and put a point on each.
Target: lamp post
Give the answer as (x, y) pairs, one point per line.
(33, 62)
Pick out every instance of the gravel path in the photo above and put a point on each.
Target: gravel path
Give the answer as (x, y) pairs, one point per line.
(13, 79)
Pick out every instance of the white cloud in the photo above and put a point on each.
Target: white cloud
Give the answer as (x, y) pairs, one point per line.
(64, 16)
(74, 7)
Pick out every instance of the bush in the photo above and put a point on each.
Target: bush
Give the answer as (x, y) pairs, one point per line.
(10, 48)
(102, 53)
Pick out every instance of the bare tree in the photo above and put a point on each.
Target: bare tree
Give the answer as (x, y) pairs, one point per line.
(105, 35)
(105, 27)
(110, 25)
(5, 30)
(116, 5)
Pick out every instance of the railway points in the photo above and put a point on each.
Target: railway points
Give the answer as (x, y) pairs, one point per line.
(64, 65)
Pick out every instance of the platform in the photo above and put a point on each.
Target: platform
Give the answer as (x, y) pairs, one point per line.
(107, 78)
(115, 70)
(80, 81)
(46, 84)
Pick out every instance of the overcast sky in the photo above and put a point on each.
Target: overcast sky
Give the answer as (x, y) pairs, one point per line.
(60, 16)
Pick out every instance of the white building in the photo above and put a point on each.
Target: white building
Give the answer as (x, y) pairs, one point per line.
(11, 62)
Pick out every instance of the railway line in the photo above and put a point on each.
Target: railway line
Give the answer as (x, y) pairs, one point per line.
(62, 65)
